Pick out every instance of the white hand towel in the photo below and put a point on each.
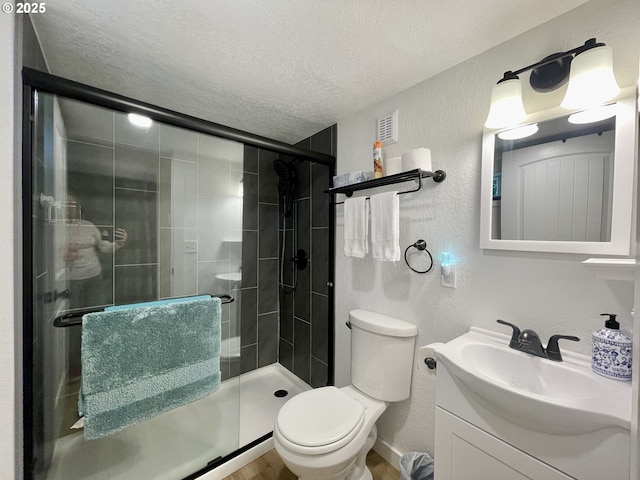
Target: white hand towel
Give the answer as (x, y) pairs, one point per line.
(356, 227)
(385, 227)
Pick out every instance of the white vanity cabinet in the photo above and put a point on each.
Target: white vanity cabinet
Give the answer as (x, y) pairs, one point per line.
(474, 440)
(465, 452)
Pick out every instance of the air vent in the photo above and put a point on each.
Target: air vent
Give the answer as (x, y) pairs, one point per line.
(388, 128)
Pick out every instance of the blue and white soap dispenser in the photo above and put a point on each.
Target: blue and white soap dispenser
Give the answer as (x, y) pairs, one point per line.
(611, 354)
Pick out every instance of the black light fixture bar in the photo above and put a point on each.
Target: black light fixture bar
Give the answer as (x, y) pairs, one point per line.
(559, 74)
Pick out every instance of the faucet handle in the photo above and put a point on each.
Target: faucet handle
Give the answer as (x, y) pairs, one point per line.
(515, 342)
(553, 349)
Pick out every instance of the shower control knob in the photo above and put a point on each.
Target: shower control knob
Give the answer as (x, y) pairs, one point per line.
(301, 259)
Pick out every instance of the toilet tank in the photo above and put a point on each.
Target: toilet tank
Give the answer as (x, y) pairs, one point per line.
(382, 350)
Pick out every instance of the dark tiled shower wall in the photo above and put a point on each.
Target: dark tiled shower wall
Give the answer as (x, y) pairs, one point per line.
(291, 328)
(259, 293)
(304, 314)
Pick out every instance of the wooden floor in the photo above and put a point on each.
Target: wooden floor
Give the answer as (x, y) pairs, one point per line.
(270, 467)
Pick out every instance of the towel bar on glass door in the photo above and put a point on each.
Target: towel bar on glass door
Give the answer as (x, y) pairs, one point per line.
(75, 318)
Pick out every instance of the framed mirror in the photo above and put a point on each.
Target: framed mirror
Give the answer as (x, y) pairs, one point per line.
(567, 188)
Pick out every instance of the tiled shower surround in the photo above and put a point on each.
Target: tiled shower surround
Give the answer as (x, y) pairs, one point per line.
(190, 196)
(278, 324)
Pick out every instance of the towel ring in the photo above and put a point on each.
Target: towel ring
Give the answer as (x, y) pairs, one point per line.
(422, 246)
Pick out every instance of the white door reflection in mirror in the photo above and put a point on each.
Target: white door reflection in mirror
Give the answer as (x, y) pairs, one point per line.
(558, 192)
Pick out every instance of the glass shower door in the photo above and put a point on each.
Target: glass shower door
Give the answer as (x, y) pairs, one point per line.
(126, 212)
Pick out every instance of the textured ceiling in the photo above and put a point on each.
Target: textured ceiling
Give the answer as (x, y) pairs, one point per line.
(281, 68)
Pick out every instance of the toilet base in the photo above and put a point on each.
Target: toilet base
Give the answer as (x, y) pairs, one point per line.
(357, 470)
(360, 470)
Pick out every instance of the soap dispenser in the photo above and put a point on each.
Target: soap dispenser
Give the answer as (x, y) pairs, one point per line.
(611, 354)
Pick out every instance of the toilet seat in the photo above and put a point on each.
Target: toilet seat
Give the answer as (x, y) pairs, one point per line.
(319, 421)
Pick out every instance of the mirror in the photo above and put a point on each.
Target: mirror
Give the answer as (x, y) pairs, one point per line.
(567, 188)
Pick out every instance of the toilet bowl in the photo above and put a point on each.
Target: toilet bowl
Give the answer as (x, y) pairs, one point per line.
(326, 433)
(322, 433)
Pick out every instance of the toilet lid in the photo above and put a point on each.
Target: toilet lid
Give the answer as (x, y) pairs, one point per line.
(319, 417)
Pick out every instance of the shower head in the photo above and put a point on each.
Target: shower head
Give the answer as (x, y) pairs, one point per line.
(286, 171)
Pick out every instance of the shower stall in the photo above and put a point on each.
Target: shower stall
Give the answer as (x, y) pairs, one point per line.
(125, 202)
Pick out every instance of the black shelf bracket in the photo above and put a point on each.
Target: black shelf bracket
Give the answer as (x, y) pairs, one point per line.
(417, 174)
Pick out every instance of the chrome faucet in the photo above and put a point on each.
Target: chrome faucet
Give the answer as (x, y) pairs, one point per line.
(529, 342)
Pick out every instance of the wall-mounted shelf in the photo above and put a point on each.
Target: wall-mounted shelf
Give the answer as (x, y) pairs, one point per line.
(612, 268)
(438, 176)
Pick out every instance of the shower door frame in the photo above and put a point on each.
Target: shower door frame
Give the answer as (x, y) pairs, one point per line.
(35, 80)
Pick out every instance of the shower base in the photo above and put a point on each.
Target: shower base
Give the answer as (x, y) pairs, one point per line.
(183, 441)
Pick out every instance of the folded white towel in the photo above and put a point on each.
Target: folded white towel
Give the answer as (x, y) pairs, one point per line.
(385, 227)
(356, 227)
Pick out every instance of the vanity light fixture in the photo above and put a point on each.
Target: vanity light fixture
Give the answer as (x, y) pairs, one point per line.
(519, 132)
(507, 108)
(139, 120)
(592, 81)
(592, 115)
(589, 69)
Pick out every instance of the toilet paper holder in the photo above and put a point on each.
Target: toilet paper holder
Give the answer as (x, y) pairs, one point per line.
(431, 363)
(426, 359)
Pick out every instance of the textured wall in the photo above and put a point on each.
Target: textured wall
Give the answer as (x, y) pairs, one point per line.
(552, 293)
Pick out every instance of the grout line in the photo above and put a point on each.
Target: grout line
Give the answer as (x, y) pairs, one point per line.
(133, 189)
(67, 139)
(320, 361)
(134, 264)
(174, 159)
(158, 222)
(113, 206)
(302, 320)
(197, 210)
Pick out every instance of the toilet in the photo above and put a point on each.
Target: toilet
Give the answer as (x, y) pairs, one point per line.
(327, 432)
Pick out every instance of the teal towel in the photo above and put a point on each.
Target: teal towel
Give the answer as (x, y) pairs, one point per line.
(140, 362)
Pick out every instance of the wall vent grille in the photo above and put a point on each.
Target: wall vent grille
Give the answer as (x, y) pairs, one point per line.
(388, 128)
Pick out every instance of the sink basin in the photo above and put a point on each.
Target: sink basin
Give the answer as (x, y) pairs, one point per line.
(232, 277)
(528, 374)
(561, 398)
